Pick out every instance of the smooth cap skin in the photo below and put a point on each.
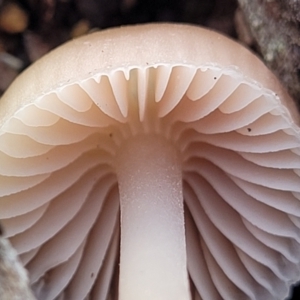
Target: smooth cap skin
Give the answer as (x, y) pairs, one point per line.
(63, 121)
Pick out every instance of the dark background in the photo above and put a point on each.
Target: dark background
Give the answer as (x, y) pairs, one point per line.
(30, 28)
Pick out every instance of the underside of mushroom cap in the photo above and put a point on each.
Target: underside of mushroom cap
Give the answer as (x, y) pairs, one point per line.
(64, 121)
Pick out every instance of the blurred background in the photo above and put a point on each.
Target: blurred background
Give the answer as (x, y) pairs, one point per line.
(30, 28)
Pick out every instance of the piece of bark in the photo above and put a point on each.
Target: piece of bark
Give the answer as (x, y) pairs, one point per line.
(274, 25)
(14, 283)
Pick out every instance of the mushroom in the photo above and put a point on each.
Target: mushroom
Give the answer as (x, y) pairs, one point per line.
(185, 132)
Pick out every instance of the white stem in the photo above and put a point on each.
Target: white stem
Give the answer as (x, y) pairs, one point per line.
(153, 249)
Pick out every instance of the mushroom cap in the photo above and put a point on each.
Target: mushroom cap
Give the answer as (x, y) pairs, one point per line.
(142, 46)
(63, 119)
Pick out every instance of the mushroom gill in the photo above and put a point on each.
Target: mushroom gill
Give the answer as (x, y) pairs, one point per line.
(183, 131)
